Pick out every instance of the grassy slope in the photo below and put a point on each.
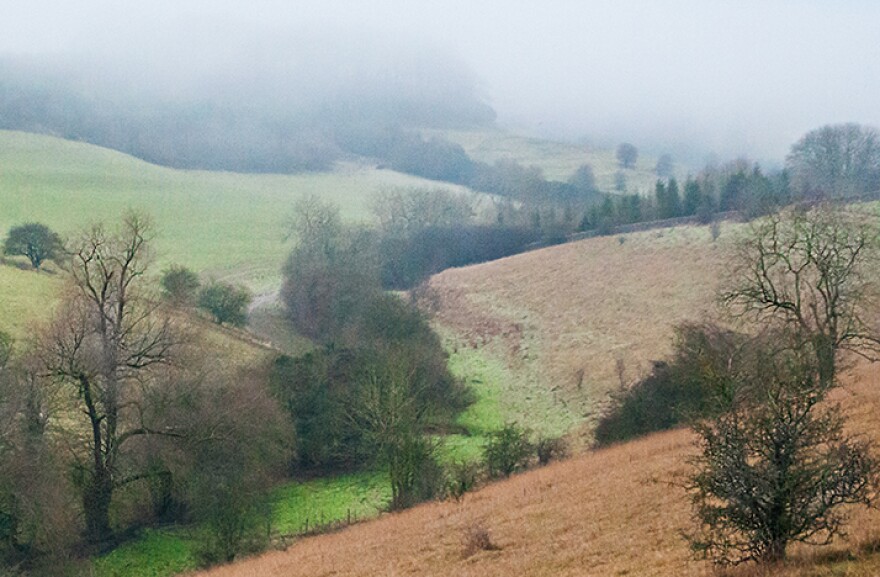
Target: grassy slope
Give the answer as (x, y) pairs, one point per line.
(545, 331)
(617, 511)
(558, 160)
(25, 295)
(227, 224)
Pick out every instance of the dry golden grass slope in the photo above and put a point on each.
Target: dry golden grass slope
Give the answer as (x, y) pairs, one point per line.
(617, 511)
(567, 317)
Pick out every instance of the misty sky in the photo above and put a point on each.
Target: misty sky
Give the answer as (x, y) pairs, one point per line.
(732, 77)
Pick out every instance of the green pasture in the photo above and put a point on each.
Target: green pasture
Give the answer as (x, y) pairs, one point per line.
(295, 507)
(226, 224)
(25, 296)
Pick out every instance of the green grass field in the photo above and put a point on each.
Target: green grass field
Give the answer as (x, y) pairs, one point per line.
(25, 296)
(296, 507)
(226, 224)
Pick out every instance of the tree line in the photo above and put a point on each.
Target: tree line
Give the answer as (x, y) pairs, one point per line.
(831, 162)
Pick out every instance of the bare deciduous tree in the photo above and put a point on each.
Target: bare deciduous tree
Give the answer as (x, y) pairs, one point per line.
(812, 272)
(386, 410)
(836, 160)
(103, 343)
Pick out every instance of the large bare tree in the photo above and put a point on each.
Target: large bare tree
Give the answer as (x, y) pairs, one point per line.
(836, 160)
(104, 342)
(813, 273)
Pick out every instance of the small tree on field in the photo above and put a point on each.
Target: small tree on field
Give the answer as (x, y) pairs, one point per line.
(627, 154)
(180, 285)
(227, 303)
(777, 466)
(34, 241)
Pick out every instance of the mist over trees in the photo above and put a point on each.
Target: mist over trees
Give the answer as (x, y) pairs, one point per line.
(291, 108)
(836, 160)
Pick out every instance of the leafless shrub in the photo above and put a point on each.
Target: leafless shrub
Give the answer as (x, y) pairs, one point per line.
(476, 538)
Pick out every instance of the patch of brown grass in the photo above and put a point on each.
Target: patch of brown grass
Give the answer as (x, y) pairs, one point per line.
(572, 315)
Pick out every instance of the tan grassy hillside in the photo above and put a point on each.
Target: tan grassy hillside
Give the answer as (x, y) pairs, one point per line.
(617, 511)
(566, 318)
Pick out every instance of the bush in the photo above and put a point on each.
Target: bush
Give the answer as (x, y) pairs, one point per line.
(227, 303)
(777, 466)
(180, 285)
(234, 521)
(416, 476)
(550, 449)
(461, 477)
(507, 451)
(676, 391)
(476, 538)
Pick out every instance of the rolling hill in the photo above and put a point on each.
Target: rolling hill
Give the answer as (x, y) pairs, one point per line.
(225, 224)
(551, 332)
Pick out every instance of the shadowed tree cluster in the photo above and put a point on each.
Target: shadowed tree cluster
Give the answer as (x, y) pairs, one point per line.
(116, 413)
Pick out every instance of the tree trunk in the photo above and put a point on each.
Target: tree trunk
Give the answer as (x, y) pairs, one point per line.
(162, 495)
(825, 353)
(97, 495)
(775, 551)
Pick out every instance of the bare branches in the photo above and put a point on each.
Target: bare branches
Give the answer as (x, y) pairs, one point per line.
(811, 272)
(104, 340)
(776, 467)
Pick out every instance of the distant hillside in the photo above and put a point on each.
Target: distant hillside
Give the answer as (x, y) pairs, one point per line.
(558, 160)
(617, 511)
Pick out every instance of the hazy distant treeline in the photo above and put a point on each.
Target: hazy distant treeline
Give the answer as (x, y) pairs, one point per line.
(241, 122)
